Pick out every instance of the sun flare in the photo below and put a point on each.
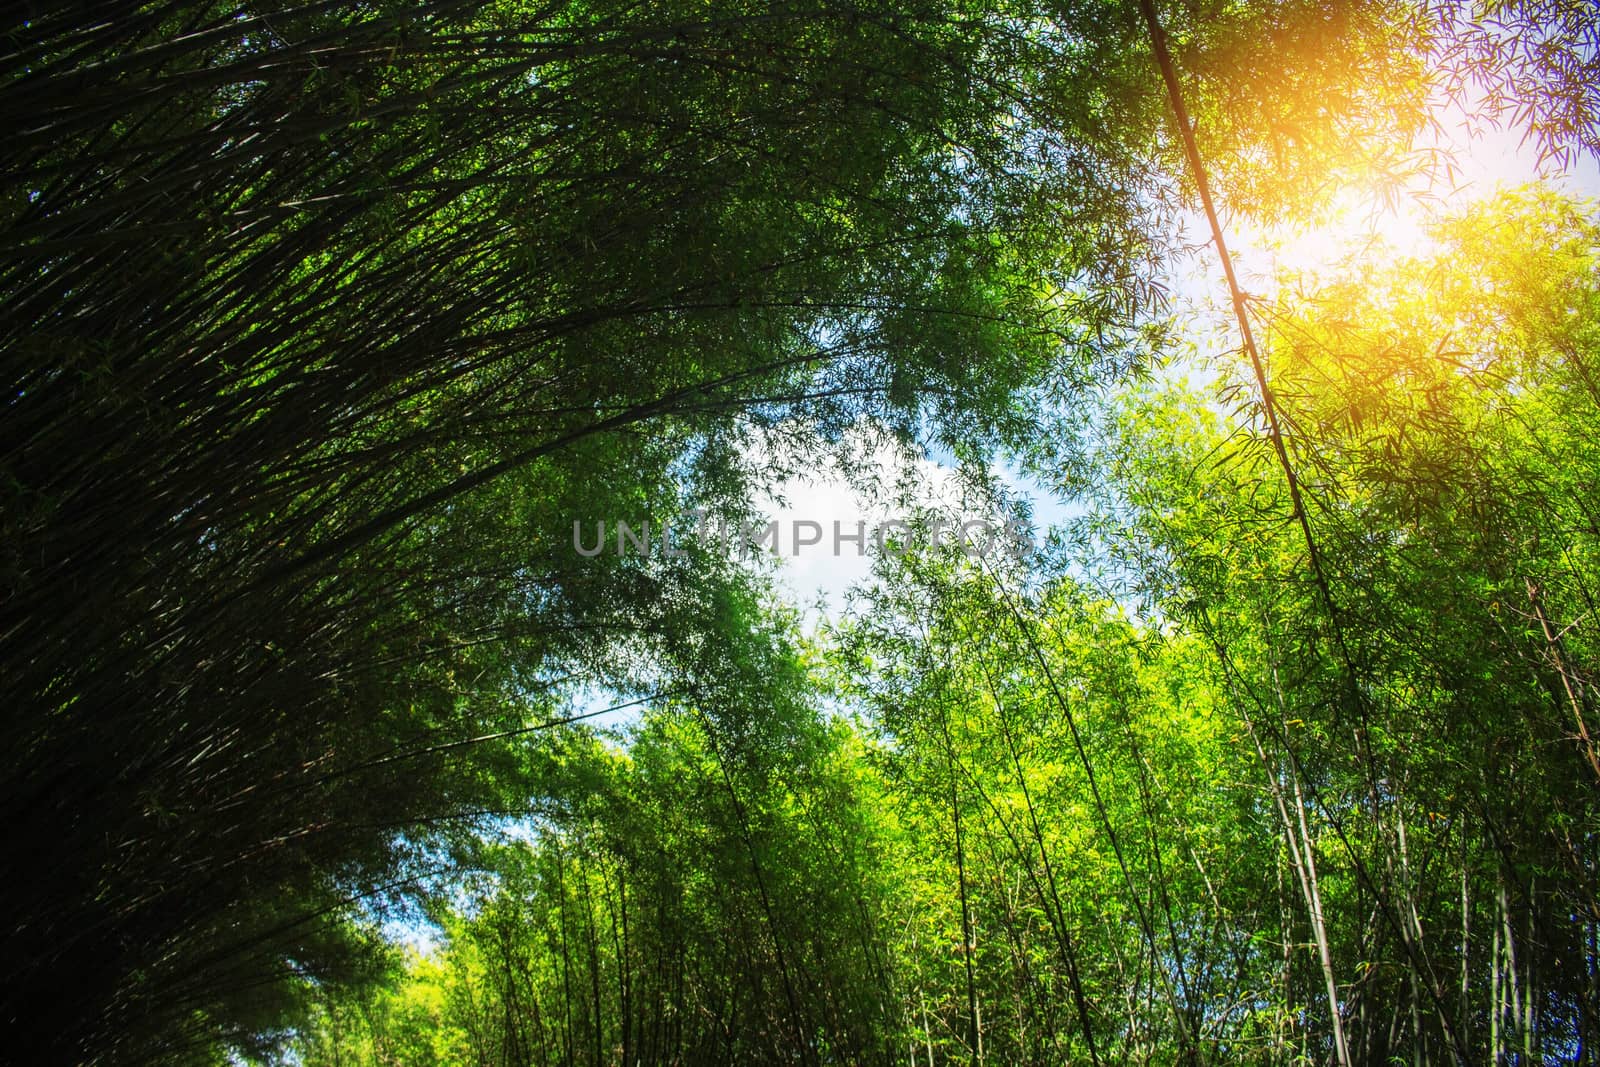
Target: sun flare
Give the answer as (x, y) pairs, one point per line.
(1383, 220)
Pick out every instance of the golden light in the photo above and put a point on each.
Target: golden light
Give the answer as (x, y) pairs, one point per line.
(1389, 219)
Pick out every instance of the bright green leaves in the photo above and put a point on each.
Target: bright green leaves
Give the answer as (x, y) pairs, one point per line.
(1429, 706)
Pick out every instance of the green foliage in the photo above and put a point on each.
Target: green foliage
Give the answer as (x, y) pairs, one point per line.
(1421, 687)
(1252, 824)
(323, 323)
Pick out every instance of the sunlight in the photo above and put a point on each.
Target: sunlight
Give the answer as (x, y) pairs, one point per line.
(1463, 160)
(1356, 228)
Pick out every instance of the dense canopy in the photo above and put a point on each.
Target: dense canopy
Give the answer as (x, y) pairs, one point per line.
(324, 326)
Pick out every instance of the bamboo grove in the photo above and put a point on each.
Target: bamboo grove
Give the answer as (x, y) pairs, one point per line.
(323, 323)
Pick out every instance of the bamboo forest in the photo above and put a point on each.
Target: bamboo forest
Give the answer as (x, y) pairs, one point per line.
(660, 533)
